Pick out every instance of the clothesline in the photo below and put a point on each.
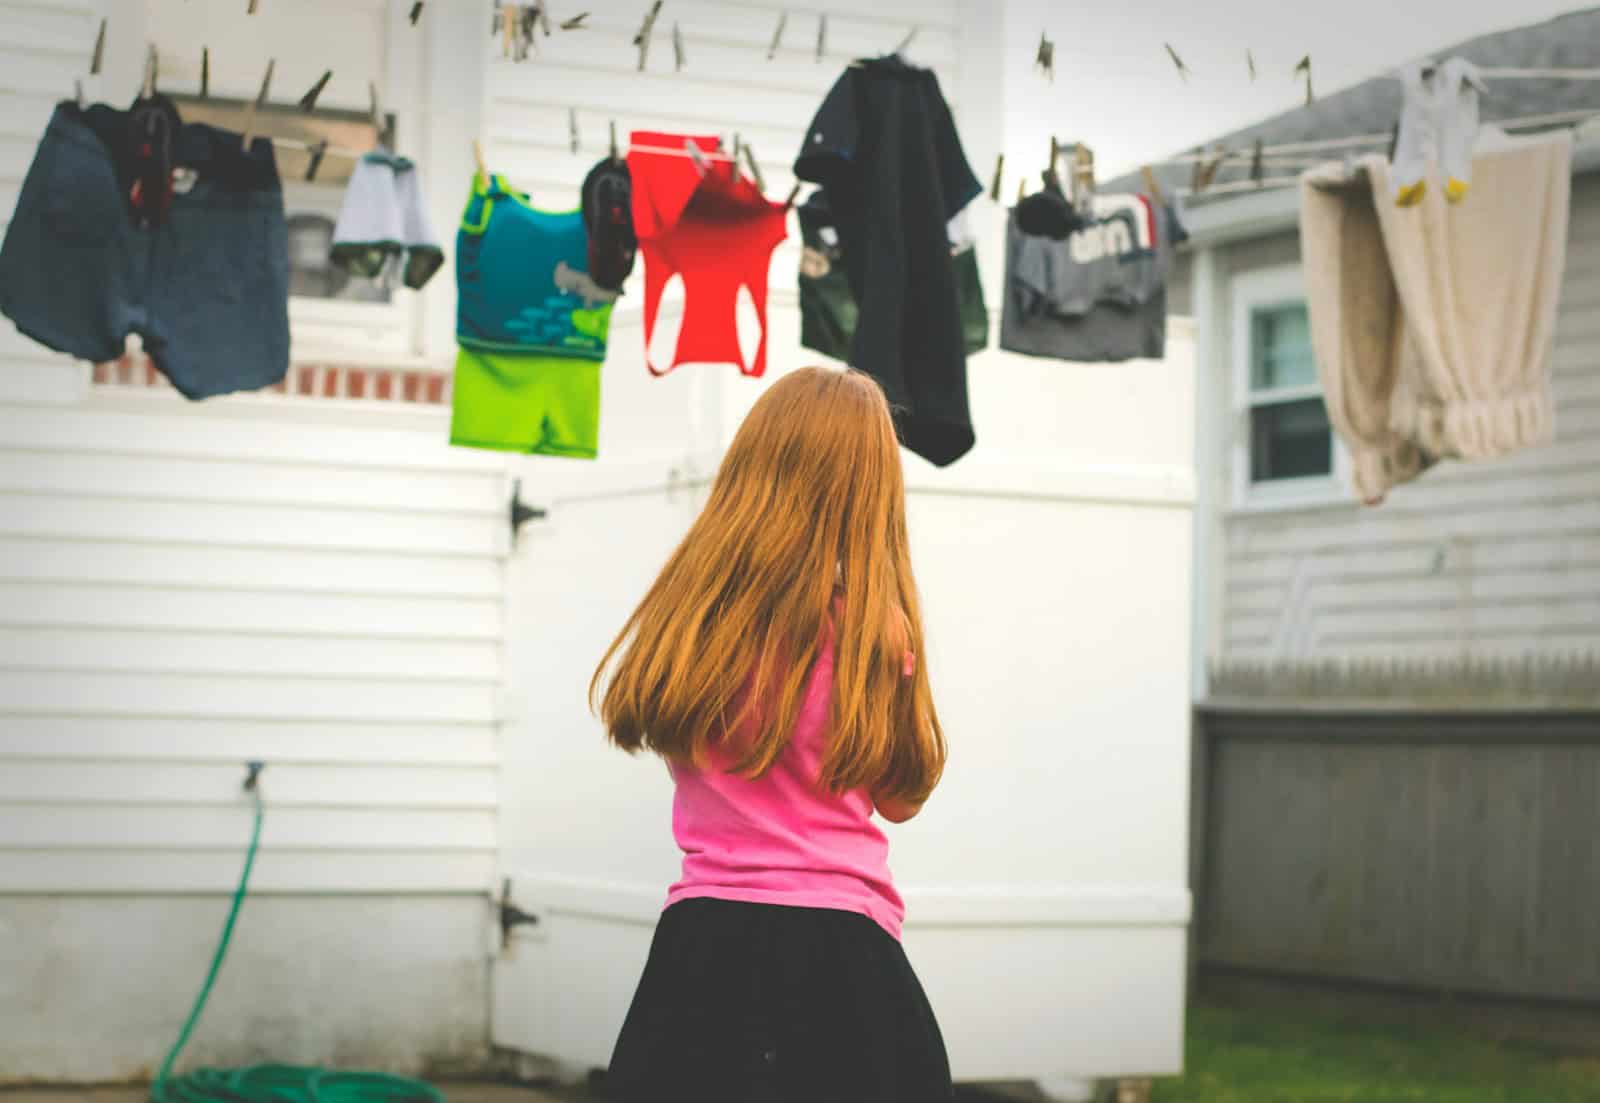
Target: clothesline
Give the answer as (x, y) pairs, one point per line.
(1382, 138)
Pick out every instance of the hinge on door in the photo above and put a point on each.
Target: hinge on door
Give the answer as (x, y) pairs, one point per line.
(511, 916)
(522, 512)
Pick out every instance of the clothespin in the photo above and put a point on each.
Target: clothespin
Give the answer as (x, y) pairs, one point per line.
(308, 102)
(477, 160)
(794, 193)
(905, 43)
(416, 12)
(1205, 171)
(642, 39)
(777, 35)
(99, 54)
(255, 105)
(1250, 60)
(527, 21)
(1045, 59)
(695, 155)
(508, 31)
(77, 90)
(822, 34)
(1050, 165)
(151, 63)
(316, 153)
(755, 169)
(999, 171)
(572, 129)
(1082, 176)
(379, 124)
(1152, 186)
(1183, 70)
(1022, 188)
(575, 23)
(1257, 165)
(544, 19)
(205, 71)
(1304, 66)
(251, 10)
(613, 126)
(679, 58)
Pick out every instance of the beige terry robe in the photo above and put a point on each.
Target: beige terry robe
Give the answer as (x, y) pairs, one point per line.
(1433, 325)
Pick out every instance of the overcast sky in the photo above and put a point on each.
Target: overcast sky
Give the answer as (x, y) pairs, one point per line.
(1116, 89)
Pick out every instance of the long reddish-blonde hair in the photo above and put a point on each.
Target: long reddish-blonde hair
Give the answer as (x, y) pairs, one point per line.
(806, 520)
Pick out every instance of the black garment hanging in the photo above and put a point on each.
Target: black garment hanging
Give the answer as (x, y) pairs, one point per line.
(885, 147)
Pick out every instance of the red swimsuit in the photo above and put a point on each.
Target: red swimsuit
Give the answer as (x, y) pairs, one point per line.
(708, 223)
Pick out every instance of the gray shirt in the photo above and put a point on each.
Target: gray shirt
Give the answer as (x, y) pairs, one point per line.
(1100, 294)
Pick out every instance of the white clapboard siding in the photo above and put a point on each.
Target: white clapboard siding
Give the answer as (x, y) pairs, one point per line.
(185, 588)
(1480, 559)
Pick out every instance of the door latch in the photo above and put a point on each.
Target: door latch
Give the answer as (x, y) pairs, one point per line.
(511, 916)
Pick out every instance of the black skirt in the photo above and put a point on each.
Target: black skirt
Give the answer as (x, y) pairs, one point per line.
(762, 1003)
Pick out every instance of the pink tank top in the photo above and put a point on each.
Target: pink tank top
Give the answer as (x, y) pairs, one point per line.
(780, 838)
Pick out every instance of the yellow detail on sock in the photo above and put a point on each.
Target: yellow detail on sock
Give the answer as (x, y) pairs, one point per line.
(1455, 190)
(1411, 194)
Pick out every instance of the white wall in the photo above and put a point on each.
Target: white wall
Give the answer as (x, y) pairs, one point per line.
(1476, 560)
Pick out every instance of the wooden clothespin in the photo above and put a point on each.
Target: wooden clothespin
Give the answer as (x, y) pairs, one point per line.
(255, 105)
(905, 43)
(544, 19)
(822, 35)
(251, 10)
(477, 160)
(679, 58)
(1183, 70)
(999, 171)
(572, 129)
(613, 126)
(416, 12)
(1205, 170)
(777, 35)
(755, 169)
(794, 193)
(205, 71)
(1257, 163)
(1022, 188)
(1250, 60)
(308, 102)
(1304, 66)
(1050, 165)
(317, 151)
(379, 124)
(1082, 176)
(642, 39)
(151, 64)
(77, 91)
(575, 23)
(1152, 186)
(508, 31)
(1045, 59)
(98, 57)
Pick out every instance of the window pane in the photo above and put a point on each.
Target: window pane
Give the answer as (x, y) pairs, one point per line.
(1290, 440)
(1280, 348)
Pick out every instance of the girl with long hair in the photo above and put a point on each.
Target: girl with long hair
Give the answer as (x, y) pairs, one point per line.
(774, 666)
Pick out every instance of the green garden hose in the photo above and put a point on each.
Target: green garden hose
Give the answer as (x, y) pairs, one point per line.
(271, 1083)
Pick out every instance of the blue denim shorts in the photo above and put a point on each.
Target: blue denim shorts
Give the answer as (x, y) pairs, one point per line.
(207, 289)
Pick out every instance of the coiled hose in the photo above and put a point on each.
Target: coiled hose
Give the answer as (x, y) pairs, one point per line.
(271, 1083)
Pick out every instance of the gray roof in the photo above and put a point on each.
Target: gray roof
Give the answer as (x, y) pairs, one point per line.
(1567, 42)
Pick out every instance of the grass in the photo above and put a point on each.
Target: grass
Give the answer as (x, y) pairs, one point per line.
(1274, 1055)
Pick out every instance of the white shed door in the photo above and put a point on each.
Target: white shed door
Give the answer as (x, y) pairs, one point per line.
(584, 829)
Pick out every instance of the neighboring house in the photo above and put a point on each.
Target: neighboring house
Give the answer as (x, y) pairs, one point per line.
(1398, 772)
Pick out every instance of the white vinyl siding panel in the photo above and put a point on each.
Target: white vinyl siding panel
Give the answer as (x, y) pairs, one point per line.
(184, 588)
(1498, 558)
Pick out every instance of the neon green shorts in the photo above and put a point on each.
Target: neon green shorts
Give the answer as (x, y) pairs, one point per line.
(517, 403)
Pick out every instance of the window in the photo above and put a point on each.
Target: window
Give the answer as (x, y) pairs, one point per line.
(1289, 434)
(1284, 446)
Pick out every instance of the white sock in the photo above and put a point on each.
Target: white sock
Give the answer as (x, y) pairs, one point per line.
(1416, 141)
(1458, 84)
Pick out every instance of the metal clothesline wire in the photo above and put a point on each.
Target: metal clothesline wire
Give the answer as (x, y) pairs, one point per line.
(1357, 140)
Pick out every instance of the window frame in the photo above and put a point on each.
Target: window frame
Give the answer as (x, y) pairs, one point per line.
(1251, 292)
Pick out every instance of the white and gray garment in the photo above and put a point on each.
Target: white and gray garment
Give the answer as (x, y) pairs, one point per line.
(1097, 295)
(384, 219)
(1438, 127)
